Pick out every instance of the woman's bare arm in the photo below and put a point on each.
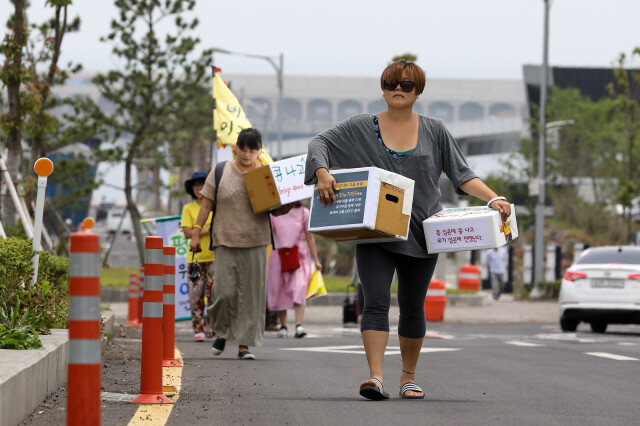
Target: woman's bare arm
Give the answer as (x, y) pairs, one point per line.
(480, 190)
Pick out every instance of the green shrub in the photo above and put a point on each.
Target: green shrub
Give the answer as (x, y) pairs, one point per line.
(53, 268)
(16, 327)
(51, 302)
(47, 300)
(549, 288)
(24, 337)
(15, 263)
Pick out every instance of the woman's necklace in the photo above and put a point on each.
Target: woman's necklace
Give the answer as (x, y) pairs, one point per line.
(251, 167)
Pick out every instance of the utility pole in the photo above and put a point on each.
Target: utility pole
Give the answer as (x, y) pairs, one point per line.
(538, 261)
(280, 90)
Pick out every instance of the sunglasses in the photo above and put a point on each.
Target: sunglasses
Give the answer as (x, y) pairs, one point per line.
(405, 86)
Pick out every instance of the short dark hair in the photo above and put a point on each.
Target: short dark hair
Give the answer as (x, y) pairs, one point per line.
(249, 138)
(195, 182)
(394, 71)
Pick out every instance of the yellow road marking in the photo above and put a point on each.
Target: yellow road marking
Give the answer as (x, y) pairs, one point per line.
(158, 414)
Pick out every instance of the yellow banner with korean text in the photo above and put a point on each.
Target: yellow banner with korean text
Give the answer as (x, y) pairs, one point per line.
(229, 117)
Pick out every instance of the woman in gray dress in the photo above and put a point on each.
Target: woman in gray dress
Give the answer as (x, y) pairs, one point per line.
(420, 148)
(240, 240)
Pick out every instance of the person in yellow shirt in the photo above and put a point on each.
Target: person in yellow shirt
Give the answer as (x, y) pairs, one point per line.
(200, 264)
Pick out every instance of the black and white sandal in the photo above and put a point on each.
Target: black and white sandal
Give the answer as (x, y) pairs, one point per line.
(411, 387)
(375, 393)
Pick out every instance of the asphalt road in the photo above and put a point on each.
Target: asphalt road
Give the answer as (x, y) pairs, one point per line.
(472, 374)
(524, 374)
(124, 253)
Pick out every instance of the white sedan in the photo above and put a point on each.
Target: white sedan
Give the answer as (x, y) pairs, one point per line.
(602, 287)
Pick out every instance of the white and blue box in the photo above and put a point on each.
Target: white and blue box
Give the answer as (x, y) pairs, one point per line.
(373, 205)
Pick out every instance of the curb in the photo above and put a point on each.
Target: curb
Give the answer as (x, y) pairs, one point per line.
(110, 294)
(28, 377)
(466, 299)
(114, 295)
(337, 299)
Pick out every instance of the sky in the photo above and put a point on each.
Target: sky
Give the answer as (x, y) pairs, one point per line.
(452, 38)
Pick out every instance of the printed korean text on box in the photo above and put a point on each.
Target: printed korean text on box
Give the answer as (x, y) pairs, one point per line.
(373, 205)
(468, 228)
(276, 184)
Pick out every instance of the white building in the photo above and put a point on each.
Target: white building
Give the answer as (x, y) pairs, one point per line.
(486, 116)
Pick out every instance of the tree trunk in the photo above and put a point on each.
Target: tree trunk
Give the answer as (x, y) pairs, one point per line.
(133, 209)
(203, 152)
(156, 202)
(14, 137)
(60, 27)
(141, 185)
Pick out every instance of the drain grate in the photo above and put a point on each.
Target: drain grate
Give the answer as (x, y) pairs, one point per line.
(116, 397)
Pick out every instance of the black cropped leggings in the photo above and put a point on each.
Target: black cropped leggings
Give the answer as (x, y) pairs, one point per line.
(375, 267)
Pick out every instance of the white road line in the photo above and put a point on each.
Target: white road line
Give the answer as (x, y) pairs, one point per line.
(612, 356)
(572, 337)
(627, 343)
(437, 335)
(527, 344)
(359, 349)
(430, 335)
(430, 350)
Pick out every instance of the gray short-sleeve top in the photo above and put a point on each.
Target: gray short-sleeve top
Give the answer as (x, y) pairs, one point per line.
(354, 143)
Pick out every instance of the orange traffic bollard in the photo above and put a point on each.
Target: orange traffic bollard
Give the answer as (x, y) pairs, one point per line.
(132, 318)
(469, 278)
(140, 294)
(151, 357)
(83, 380)
(169, 308)
(435, 302)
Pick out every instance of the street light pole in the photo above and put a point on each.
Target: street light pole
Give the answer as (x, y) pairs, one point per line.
(279, 67)
(280, 90)
(540, 205)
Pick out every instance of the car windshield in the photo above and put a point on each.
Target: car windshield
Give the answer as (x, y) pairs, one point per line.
(611, 255)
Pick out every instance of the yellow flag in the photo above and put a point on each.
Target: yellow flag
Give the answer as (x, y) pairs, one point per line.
(229, 117)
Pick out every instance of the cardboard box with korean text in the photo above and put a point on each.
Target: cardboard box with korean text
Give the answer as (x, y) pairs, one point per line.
(468, 228)
(373, 205)
(278, 183)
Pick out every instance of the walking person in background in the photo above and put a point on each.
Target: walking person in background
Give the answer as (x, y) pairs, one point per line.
(240, 239)
(200, 265)
(290, 267)
(417, 147)
(496, 264)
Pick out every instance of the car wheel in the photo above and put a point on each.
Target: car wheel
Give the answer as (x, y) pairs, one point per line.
(568, 324)
(598, 326)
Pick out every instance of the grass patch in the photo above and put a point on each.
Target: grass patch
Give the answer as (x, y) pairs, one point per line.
(338, 284)
(116, 277)
(119, 278)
